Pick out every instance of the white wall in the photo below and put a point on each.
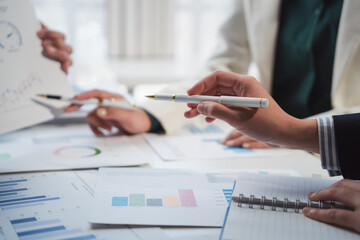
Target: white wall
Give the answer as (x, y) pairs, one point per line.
(85, 23)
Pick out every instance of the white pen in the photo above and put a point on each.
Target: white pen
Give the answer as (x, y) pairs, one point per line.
(101, 102)
(231, 101)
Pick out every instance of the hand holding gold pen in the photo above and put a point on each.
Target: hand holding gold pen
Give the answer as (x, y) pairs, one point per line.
(115, 116)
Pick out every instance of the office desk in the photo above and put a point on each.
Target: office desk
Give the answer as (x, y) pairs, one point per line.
(295, 162)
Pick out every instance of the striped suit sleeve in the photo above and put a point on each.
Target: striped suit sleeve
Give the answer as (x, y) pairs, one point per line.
(329, 159)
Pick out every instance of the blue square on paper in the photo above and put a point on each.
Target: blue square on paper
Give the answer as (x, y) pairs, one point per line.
(120, 201)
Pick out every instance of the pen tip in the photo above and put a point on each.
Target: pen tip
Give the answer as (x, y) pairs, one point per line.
(152, 97)
(41, 95)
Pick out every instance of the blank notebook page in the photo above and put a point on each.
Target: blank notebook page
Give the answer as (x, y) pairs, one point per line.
(246, 223)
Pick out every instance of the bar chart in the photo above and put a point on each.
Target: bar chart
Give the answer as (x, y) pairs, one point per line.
(184, 198)
(228, 193)
(32, 228)
(14, 195)
(36, 194)
(161, 206)
(159, 197)
(51, 206)
(72, 225)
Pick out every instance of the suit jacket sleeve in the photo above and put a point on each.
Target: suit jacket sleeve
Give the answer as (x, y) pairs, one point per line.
(232, 52)
(347, 141)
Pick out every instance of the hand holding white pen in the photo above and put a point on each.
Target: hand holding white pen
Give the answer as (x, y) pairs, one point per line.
(270, 125)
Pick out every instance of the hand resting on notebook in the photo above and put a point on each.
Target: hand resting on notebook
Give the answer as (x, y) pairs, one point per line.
(346, 192)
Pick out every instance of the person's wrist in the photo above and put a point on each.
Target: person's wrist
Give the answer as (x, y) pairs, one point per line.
(146, 122)
(155, 124)
(302, 134)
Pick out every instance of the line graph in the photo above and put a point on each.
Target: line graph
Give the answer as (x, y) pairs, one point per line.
(20, 95)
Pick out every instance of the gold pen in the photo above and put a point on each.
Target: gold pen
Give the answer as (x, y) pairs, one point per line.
(112, 102)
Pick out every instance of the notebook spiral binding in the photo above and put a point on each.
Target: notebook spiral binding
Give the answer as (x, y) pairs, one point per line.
(285, 204)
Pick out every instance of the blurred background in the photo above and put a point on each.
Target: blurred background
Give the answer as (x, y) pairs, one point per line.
(134, 41)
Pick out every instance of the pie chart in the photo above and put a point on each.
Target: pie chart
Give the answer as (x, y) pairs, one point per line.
(77, 151)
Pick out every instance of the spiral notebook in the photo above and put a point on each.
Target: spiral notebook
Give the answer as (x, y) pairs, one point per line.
(269, 207)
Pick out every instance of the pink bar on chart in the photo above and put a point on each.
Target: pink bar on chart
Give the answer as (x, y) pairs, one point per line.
(187, 198)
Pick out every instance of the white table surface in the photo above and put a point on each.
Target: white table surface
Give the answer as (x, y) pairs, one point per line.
(295, 161)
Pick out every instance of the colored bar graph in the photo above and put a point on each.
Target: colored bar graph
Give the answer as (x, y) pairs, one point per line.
(187, 198)
(22, 199)
(42, 230)
(137, 199)
(228, 193)
(22, 206)
(33, 229)
(35, 224)
(8, 194)
(87, 237)
(57, 234)
(154, 202)
(23, 220)
(184, 198)
(11, 197)
(120, 201)
(38, 200)
(14, 190)
(171, 201)
(13, 181)
(6, 188)
(7, 185)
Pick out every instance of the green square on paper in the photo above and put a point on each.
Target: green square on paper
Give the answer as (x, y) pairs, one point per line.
(137, 200)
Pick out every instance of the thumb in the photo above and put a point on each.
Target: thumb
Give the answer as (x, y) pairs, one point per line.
(216, 110)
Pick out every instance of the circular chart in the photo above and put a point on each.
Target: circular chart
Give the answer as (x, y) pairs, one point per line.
(77, 151)
(10, 37)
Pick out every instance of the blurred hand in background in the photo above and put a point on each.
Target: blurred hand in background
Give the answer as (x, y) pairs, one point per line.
(55, 48)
